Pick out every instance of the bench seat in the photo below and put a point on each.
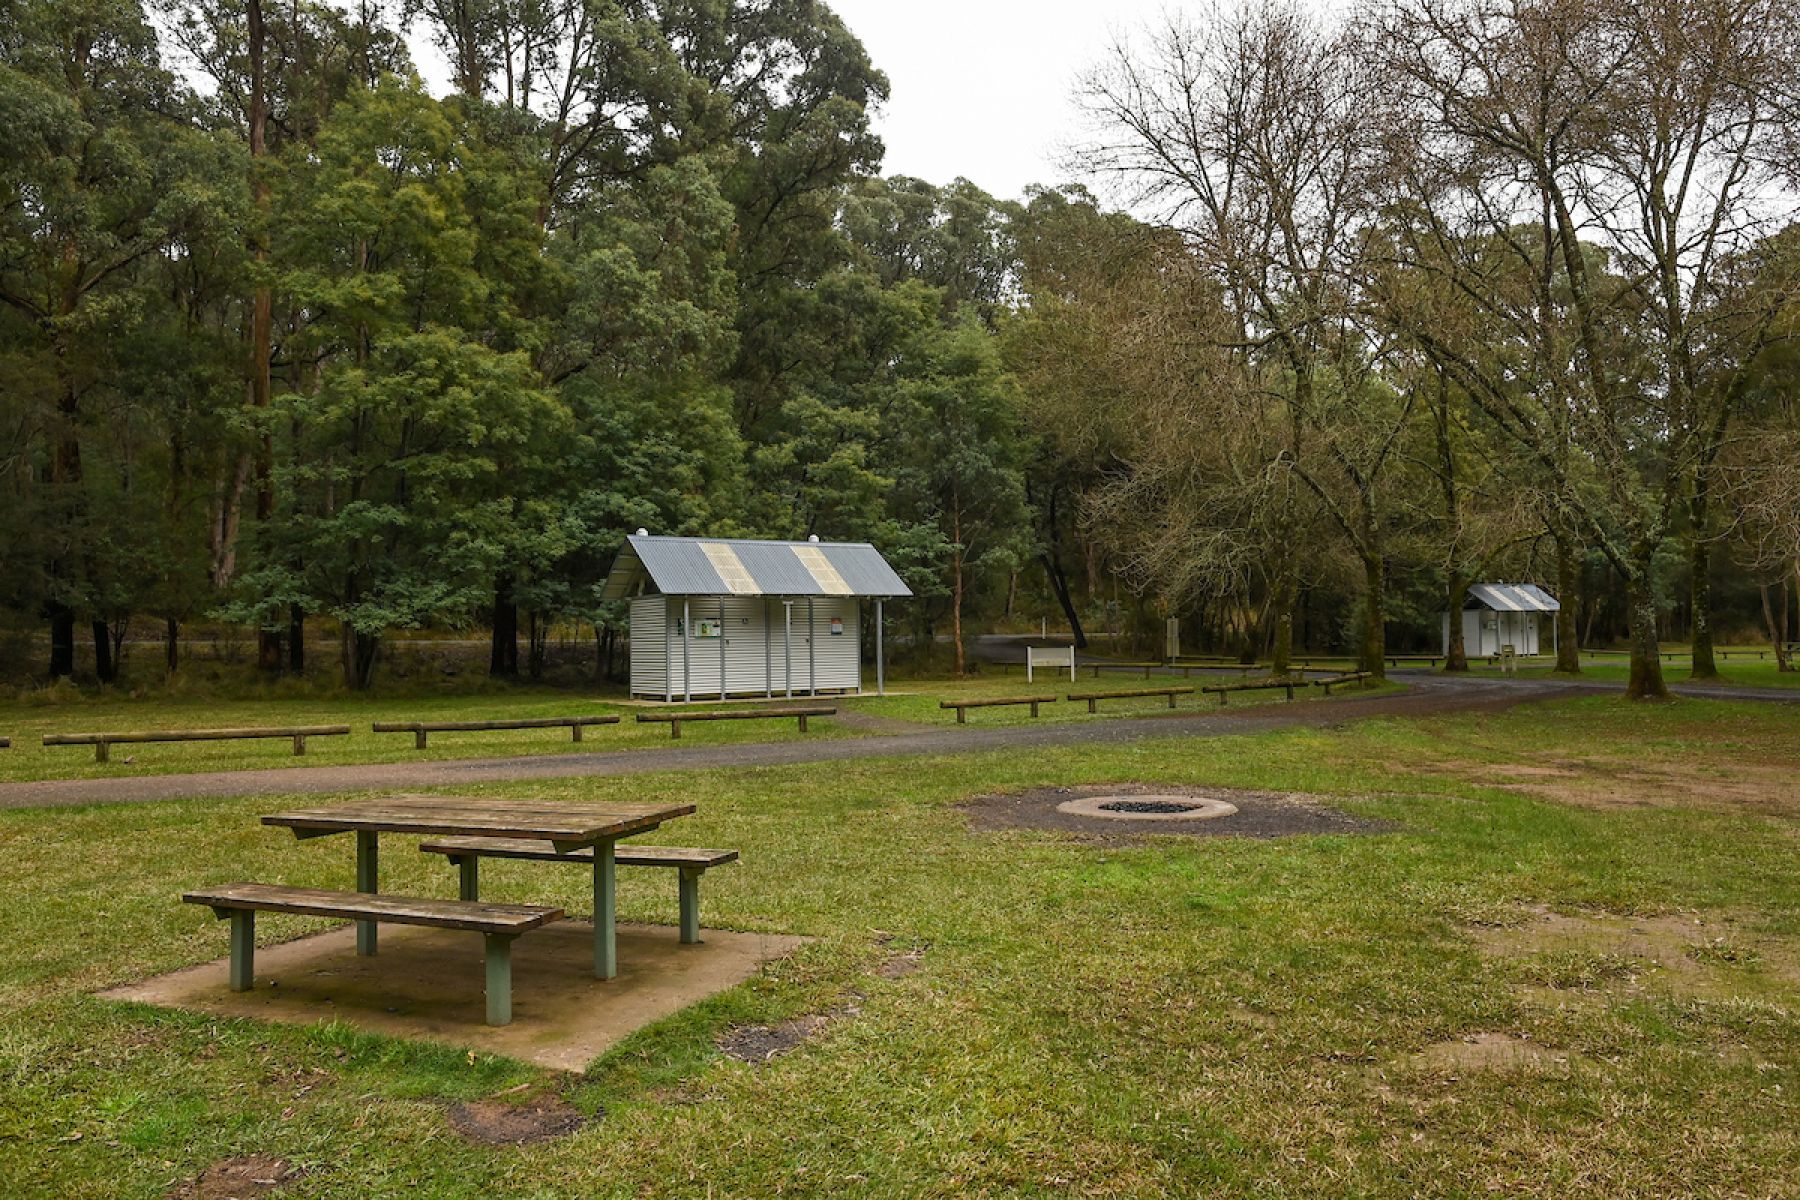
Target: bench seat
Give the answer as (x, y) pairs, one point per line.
(498, 923)
(691, 861)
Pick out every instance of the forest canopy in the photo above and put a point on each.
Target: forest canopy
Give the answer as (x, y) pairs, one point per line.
(1342, 315)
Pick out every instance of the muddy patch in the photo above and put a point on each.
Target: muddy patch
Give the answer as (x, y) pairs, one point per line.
(521, 1121)
(1491, 1051)
(1759, 781)
(900, 964)
(760, 1043)
(1694, 956)
(241, 1178)
(1257, 814)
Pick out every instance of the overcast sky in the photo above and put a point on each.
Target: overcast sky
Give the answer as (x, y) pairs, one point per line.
(980, 88)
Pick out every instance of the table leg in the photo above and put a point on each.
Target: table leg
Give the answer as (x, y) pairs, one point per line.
(499, 979)
(368, 882)
(606, 953)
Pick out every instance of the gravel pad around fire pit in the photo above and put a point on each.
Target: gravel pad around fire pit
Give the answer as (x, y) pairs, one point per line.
(1124, 811)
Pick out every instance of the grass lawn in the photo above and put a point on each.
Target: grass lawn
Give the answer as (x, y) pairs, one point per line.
(1738, 670)
(914, 701)
(1219, 1017)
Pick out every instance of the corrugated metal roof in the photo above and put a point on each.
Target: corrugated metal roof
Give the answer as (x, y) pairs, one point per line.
(678, 566)
(1513, 597)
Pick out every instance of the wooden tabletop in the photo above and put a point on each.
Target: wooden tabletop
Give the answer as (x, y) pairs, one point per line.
(552, 820)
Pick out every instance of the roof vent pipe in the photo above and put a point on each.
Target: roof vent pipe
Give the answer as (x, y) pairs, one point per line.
(812, 537)
(642, 532)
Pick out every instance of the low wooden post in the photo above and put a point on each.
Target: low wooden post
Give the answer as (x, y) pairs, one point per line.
(468, 869)
(802, 722)
(243, 949)
(100, 752)
(962, 716)
(574, 731)
(419, 736)
(1091, 702)
(299, 744)
(1034, 705)
(1172, 699)
(499, 978)
(674, 727)
(690, 906)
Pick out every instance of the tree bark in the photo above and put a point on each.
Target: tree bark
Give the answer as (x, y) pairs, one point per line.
(1700, 583)
(1287, 587)
(1372, 656)
(171, 645)
(1456, 653)
(956, 593)
(1777, 628)
(1646, 681)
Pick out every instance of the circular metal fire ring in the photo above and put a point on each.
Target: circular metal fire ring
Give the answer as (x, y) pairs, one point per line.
(1141, 807)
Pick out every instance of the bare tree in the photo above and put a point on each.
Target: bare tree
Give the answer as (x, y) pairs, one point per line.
(1576, 178)
(1244, 133)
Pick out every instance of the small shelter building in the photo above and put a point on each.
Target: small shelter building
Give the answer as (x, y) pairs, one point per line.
(722, 617)
(1495, 615)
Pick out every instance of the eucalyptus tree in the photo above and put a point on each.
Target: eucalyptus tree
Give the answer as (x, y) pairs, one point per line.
(412, 414)
(101, 170)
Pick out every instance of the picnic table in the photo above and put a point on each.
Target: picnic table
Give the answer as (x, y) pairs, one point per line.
(570, 826)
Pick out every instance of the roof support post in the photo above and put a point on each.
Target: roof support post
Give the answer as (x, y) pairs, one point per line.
(880, 667)
(768, 652)
(723, 642)
(668, 653)
(812, 658)
(787, 645)
(687, 642)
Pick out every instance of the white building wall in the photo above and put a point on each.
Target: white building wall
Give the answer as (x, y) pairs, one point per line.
(1485, 631)
(746, 635)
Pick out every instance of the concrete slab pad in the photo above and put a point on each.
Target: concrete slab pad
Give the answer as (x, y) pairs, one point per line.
(427, 984)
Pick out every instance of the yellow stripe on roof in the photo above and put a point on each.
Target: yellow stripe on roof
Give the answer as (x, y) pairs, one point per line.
(730, 568)
(823, 573)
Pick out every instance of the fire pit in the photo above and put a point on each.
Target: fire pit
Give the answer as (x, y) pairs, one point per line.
(1147, 808)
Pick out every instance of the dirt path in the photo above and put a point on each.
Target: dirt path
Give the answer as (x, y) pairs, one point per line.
(1427, 695)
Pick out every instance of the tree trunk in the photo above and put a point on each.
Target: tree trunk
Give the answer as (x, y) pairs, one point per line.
(106, 668)
(62, 640)
(1777, 628)
(1700, 585)
(296, 640)
(171, 645)
(363, 650)
(503, 653)
(269, 655)
(956, 607)
(1568, 643)
(1372, 655)
(1287, 587)
(1456, 653)
(1059, 583)
(1646, 682)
